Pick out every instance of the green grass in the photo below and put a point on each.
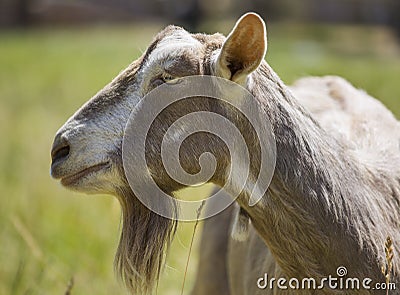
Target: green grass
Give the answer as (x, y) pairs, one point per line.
(48, 234)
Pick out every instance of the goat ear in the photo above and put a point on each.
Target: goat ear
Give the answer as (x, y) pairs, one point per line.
(243, 50)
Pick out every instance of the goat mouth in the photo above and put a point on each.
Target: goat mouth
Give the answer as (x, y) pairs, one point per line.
(73, 178)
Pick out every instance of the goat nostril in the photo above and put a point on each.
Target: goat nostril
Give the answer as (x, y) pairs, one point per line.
(60, 153)
(60, 149)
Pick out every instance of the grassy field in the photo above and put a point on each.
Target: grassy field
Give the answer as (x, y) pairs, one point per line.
(49, 235)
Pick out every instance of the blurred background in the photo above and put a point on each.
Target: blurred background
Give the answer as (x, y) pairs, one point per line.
(56, 54)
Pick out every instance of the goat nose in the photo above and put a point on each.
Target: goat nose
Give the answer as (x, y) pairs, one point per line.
(60, 149)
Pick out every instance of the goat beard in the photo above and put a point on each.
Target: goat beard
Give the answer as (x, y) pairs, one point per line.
(145, 237)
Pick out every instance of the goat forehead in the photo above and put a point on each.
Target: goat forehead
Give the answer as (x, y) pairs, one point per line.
(179, 38)
(179, 46)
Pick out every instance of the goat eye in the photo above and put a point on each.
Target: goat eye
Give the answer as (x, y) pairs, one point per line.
(166, 77)
(158, 82)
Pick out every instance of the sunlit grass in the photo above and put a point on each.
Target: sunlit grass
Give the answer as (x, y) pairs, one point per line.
(48, 234)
